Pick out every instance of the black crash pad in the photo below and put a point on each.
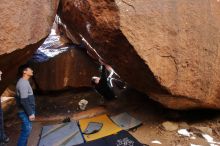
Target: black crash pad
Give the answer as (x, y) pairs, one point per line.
(122, 138)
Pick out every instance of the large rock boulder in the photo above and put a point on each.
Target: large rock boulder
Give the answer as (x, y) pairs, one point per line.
(168, 49)
(24, 26)
(25, 22)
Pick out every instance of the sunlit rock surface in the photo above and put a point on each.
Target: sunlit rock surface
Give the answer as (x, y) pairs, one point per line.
(52, 46)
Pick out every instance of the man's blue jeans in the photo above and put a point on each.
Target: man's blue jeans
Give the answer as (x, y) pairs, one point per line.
(2, 133)
(25, 129)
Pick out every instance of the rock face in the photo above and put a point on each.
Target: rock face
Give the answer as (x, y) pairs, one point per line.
(24, 26)
(25, 22)
(168, 49)
(59, 64)
(72, 68)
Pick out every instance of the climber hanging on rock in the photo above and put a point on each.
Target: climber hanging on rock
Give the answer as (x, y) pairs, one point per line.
(106, 85)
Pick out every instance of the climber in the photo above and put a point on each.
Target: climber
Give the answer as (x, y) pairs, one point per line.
(105, 84)
(101, 85)
(3, 138)
(25, 102)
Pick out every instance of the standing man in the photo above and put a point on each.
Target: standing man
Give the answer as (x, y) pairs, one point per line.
(3, 138)
(26, 103)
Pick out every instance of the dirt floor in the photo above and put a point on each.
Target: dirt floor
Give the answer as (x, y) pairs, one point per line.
(184, 128)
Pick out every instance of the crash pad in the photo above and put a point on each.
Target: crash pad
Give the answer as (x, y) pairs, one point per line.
(107, 129)
(65, 134)
(126, 121)
(122, 138)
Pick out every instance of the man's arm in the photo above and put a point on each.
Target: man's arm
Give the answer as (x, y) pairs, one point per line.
(23, 90)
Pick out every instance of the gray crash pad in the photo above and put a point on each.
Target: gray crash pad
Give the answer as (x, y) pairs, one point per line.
(126, 121)
(66, 134)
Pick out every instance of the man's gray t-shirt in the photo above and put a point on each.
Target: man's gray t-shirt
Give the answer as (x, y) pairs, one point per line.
(25, 97)
(23, 88)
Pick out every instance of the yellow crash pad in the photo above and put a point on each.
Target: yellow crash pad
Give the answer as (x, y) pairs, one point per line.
(107, 129)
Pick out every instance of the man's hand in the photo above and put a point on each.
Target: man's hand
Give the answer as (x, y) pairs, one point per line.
(32, 117)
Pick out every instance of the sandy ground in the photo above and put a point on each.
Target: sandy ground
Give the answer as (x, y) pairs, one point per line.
(53, 108)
